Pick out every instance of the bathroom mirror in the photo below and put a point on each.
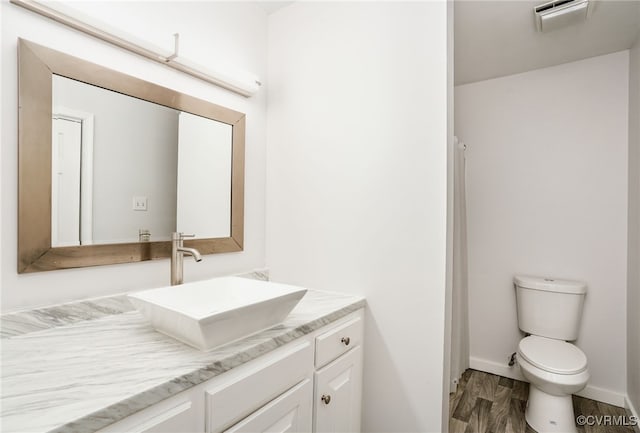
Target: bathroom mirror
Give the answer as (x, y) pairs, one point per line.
(110, 165)
(124, 169)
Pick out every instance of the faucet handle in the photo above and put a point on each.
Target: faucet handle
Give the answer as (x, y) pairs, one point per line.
(178, 236)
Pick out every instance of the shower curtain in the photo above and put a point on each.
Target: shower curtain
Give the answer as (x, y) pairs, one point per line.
(460, 309)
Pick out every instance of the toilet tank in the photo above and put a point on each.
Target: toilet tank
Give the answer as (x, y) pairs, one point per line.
(549, 307)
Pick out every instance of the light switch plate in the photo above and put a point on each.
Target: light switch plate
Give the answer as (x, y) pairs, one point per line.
(140, 203)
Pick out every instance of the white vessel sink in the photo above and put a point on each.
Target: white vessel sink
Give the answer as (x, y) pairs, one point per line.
(206, 314)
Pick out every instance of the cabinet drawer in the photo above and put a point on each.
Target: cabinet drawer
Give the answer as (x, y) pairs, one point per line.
(338, 340)
(169, 416)
(257, 385)
(291, 412)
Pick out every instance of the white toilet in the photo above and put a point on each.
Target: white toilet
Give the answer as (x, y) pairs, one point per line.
(550, 311)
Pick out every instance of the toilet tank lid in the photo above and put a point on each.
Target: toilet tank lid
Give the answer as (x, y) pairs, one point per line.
(551, 285)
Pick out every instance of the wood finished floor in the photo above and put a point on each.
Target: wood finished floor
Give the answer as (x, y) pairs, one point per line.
(486, 403)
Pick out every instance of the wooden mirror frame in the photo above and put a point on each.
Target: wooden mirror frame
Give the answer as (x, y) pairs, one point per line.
(36, 65)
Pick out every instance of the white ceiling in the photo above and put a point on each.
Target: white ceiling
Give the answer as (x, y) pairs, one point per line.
(272, 6)
(498, 38)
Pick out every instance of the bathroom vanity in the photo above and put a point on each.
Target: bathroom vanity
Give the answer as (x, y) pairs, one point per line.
(111, 371)
(116, 374)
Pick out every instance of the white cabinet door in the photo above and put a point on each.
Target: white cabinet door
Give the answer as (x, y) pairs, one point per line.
(338, 394)
(291, 412)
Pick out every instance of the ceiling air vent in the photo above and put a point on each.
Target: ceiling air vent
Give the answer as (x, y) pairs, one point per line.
(561, 13)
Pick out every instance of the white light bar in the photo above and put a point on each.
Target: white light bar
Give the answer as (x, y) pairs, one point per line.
(239, 82)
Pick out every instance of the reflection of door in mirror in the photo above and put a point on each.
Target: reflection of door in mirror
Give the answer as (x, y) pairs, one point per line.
(65, 182)
(71, 177)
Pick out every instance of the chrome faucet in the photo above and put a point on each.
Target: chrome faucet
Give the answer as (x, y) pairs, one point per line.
(178, 250)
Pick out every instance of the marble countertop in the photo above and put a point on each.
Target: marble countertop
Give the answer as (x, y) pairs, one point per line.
(81, 367)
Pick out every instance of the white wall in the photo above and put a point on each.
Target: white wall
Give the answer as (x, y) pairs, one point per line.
(547, 196)
(449, 354)
(135, 149)
(633, 261)
(233, 32)
(356, 174)
(204, 177)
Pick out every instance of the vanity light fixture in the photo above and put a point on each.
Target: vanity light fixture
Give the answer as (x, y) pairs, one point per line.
(239, 82)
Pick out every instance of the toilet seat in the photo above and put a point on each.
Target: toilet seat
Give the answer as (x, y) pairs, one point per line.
(554, 356)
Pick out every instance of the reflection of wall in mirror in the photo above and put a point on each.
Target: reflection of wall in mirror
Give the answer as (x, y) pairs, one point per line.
(204, 177)
(135, 153)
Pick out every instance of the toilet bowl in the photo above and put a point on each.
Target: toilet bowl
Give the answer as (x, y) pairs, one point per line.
(555, 370)
(550, 310)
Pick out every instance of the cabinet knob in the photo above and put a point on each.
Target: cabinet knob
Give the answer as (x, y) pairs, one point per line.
(345, 341)
(326, 399)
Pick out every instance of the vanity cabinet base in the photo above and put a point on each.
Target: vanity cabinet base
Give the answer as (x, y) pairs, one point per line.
(285, 390)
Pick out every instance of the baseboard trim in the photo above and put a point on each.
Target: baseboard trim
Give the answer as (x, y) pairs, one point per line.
(603, 395)
(590, 391)
(496, 368)
(628, 405)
